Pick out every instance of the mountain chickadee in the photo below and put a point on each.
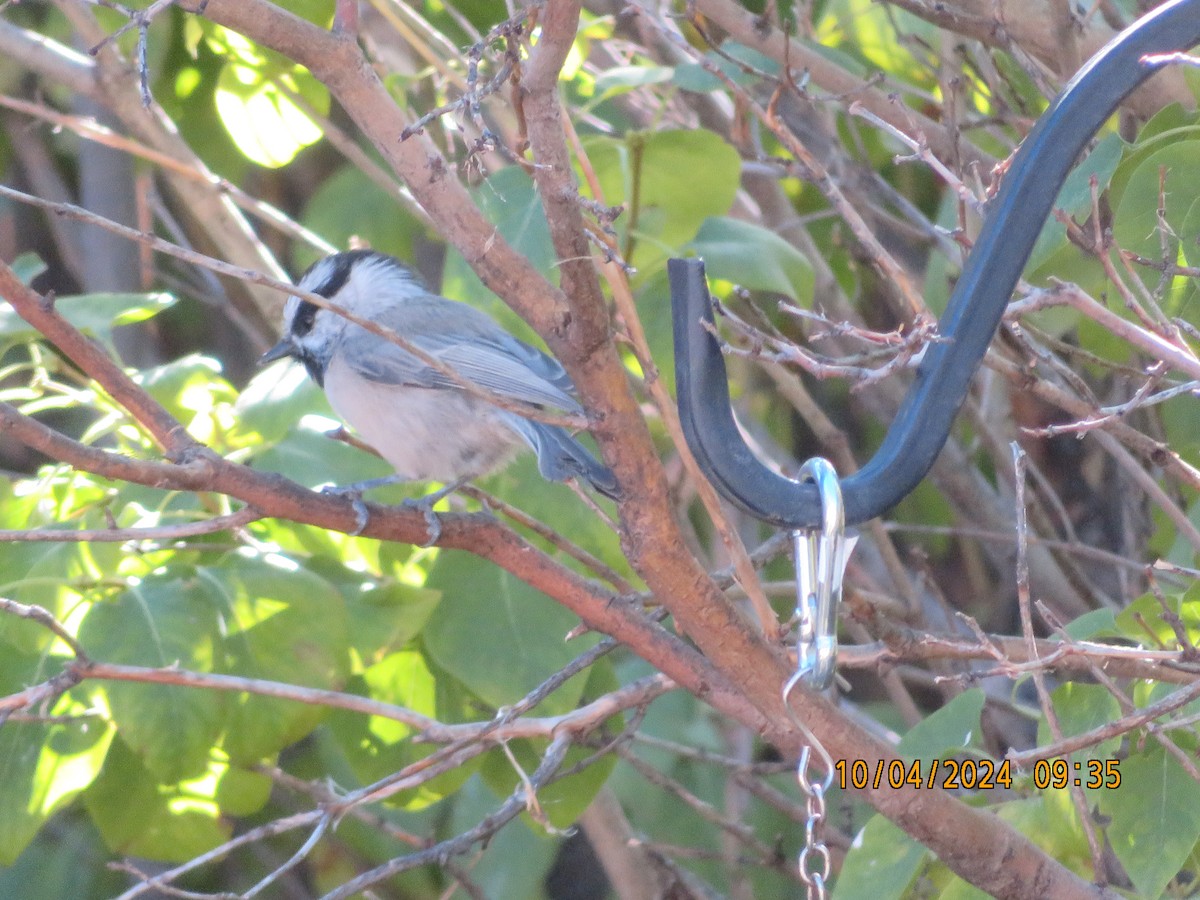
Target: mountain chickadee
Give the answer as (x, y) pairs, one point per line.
(418, 419)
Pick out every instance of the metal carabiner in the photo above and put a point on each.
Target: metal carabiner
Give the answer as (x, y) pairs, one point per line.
(922, 424)
(820, 555)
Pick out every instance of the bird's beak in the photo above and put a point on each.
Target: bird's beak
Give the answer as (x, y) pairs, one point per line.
(284, 348)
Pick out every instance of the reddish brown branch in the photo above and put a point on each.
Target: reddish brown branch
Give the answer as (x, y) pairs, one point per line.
(274, 495)
(739, 674)
(39, 312)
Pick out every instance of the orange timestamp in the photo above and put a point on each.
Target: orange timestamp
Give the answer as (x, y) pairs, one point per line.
(948, 774)
(974, 775)
(1090, 773)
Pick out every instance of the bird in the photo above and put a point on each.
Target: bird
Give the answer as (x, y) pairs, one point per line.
(420, 420)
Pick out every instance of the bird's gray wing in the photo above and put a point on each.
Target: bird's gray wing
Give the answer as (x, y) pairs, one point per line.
(467, 341)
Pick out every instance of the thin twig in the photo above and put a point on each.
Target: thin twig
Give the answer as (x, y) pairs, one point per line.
(528, 410)
(243, 516)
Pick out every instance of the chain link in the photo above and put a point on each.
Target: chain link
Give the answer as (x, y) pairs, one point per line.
(814, 861)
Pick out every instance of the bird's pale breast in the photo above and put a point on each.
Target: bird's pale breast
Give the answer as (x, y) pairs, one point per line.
(424, 434)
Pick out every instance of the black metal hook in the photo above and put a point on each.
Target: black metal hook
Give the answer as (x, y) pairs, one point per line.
(922, 424)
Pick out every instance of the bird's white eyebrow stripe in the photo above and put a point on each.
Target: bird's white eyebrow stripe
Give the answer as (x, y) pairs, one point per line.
(336, 279)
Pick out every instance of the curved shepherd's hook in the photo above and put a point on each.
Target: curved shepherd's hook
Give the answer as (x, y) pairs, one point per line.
(922, 424)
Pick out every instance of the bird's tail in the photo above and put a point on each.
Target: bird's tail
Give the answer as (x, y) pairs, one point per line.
(560, 456)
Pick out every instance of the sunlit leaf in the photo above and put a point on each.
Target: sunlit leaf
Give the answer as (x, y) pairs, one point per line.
(655, 176)
(191, 389)
(43, 766)
(253, 99)
(377, 746)
(1144, 620)
(94, 314)
(754, 258)
(499, 636)
(138, 815)
(276, 398)
(566, 799)
(280, 623)
(263, 121)
(167, 621)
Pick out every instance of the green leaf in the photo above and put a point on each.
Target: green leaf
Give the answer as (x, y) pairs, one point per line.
(950, 730)
(1096, 623)
(66, 861)
(1167, 177)
(655, 176)
(620, 79)
(511, 203)
(276, 399)
(1172, 168)
(555, 505)
(167, 621)
(1155, 818)
(1051, 821)
(1190, 232)
(516, 842)
(376, 216)
(50, 575)
(1170, 126)
(1075, 196)
(253, 100)
(1053, 255)
(27, 266)
(1142, 620)
(280, 623)
(881, 864)
(239, 792)
(376, 746)
(94, 314)
(319, 12)
(138, 815)
(497, 635)
(564, 800)
(753, 257)
(43, 767)
(312, 458)
(1081, 708)
(698, 79)
(385, 618)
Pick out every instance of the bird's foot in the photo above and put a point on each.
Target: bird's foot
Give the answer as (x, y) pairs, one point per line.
(354, 492)
(425, 506)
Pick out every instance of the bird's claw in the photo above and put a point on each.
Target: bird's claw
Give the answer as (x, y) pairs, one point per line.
(425, 507)
(424, 504)
(354, 495)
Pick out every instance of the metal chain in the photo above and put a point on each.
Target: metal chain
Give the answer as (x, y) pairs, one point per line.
(814, 861)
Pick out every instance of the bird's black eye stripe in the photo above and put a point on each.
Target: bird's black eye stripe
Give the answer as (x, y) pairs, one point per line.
(339, 266)
(306, 315)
